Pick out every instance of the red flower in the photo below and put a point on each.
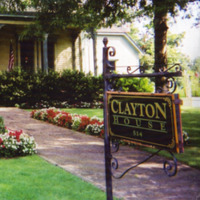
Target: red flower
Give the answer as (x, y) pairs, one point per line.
(1, 141)
(85, 120)
(102, 133)
(16, 134)
(65, 120)
(32, 113)
(95, 121)
(51, 114)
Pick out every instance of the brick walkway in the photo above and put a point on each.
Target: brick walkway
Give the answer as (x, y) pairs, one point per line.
(83, 156)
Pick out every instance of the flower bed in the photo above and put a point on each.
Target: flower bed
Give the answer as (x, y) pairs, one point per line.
(82, 123)
(15, 143)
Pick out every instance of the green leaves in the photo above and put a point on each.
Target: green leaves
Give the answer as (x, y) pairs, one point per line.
(12, 6)
(135, 85)
(19, 87)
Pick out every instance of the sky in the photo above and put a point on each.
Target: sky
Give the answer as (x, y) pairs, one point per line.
(191, 42)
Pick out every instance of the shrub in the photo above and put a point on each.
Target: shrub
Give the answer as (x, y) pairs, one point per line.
(39, 90)
(15, 87)
(15, 143)
(2, 126)
(134, 85)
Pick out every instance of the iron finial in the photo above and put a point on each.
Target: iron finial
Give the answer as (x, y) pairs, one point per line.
(105, 41)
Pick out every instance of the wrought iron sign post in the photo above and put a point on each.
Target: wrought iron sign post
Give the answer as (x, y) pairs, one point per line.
(141, 118)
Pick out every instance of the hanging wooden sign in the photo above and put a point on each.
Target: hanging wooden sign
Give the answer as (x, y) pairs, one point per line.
(144, 118)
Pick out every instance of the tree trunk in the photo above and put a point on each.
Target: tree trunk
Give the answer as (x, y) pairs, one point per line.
(160, 28)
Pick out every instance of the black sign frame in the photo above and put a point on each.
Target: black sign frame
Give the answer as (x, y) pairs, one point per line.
(146, 119)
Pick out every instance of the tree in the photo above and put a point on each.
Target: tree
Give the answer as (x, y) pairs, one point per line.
(188, 84)
(90, 14)
(12, 6)
(160, 11)
(195, 77)
(105, 13)
(196, 66)
(157, 9)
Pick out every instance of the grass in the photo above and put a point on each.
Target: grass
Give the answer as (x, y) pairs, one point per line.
(32, 178)
(190, 124)
(85, 111)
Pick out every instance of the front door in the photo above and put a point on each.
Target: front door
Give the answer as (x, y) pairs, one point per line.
(27, 55)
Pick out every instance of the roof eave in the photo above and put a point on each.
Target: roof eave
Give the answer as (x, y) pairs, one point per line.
(124, 35)
(16, 17)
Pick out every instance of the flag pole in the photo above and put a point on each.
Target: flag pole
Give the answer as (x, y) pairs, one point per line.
(11, 58)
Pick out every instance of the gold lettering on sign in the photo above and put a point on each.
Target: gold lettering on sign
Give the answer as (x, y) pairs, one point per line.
(138, 122)
(141, 109)
(162, 126)
(127, 109)
(120, 108)
(133, 106)
(161, 109)
(112, 106)
(150, 124)
(126, 121)
(148, 119)
(116, 119)
(150, 110)
(137, 133)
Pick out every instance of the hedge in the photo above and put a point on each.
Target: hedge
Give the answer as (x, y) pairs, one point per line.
(21, 87)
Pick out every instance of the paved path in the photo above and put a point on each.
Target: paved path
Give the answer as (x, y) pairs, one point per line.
(83, 156)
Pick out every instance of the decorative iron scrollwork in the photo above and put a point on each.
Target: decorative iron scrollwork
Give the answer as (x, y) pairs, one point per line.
(111, 84)
(132, 71)
(171, 85)
(177, 67)
(111, 51)
(110, 87)
(114, 163)
(115, 146)
(170, 167)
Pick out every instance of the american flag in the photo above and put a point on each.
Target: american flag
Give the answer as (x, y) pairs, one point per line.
(11, 58)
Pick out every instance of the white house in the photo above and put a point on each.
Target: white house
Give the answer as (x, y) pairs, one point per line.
(127, 52)
(63, 49)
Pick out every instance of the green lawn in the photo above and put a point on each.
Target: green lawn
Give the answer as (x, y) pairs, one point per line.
(86, 111)
(32, 178)
(190, 124)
